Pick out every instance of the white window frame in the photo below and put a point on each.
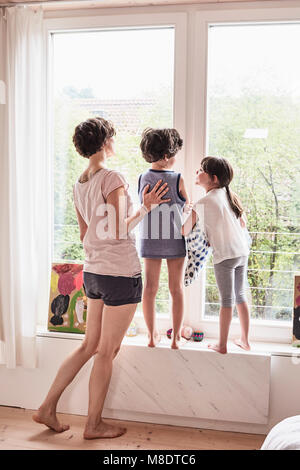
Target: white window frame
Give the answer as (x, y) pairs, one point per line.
(190, 87)
(93, 23)
(248, 13)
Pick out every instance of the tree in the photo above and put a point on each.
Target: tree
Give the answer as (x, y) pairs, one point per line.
(266, 180)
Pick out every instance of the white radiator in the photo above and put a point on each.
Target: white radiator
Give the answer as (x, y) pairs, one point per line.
(191, 383)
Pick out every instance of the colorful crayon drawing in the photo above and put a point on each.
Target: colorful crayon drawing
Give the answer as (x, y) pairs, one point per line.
(296, 315)
(68, 303)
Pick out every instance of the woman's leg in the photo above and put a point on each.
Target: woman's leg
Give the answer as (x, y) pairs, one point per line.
(242, 305)
(46, 414)
(115, 323)
(151, 284)
(175, 271)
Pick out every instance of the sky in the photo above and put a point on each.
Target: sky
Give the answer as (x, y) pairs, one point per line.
(136, 63)
(115, 64)
(264, 57)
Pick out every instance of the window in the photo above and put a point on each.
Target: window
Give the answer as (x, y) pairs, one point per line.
(236, 86)
(126, 76)
(253, 101)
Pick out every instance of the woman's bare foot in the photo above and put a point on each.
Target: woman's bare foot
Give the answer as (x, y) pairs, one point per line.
(50, 420)
(242, 344)
(103, 431)
(216, 347)
(153, 340)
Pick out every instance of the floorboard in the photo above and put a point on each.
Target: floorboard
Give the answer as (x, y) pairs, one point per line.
(19, 432)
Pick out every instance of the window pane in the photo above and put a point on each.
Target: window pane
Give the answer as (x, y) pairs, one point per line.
(254, 121)
(125, 76)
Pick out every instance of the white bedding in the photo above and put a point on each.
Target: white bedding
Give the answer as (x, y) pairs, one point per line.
(284, 436)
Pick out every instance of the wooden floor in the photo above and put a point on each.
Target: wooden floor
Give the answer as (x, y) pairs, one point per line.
(19, 432)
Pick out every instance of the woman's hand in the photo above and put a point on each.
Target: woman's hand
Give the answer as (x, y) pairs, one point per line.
(154, 197)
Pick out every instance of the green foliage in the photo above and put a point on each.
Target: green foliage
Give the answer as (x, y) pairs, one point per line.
(68, 165)
(266, 179)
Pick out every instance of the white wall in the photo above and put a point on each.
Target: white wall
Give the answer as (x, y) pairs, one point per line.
(190, 98)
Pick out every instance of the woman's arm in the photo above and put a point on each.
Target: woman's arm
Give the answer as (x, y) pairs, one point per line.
(82, 225)
(119, 225)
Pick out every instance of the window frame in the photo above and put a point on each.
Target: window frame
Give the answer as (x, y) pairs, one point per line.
(190, 113)
(261, 330)
(128, 21)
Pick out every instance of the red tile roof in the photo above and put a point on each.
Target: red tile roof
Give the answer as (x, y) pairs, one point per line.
(126, 115)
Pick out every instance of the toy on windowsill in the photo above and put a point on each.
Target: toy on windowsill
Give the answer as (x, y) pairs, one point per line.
(198, 336)
(186, 332)
(132, 331)
(169, 333)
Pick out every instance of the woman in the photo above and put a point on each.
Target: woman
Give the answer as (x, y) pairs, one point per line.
(111, 273)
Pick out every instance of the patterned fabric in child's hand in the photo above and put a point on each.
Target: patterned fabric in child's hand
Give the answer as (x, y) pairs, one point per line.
(198, 250)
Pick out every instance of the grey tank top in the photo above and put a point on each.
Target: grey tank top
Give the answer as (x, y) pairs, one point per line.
(160, 230)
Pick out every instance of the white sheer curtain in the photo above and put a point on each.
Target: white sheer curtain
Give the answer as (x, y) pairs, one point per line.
(25, 210)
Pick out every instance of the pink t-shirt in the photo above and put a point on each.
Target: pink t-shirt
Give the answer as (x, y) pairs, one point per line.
(104, 255)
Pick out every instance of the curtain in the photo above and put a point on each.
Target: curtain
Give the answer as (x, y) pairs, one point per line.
(25, 214)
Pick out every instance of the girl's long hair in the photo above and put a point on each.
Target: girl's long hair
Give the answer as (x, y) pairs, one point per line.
(224, 172)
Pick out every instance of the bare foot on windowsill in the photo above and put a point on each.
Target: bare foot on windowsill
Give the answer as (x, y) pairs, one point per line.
(178, 342)
(153, 340)
(216, 347)
(242, 344)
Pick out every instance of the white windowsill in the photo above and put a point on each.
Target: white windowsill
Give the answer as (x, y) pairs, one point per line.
(257, 347)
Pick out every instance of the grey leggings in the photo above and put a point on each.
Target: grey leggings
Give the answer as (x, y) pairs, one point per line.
(231, 277)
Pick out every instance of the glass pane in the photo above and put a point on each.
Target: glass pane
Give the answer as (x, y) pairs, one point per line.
(254, 121)
(125, 76)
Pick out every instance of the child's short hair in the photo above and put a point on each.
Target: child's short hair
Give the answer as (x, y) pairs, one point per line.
(91, 135)
(158, 143)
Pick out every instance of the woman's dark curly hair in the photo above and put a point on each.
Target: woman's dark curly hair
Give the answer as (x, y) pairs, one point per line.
(158, 143)
(91, 135)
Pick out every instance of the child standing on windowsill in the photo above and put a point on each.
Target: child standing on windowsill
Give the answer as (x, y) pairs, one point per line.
(222, 216)
(161, 236)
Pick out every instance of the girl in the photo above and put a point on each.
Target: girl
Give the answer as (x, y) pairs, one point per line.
(112, 283)
(222, 216)
(161, 231)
